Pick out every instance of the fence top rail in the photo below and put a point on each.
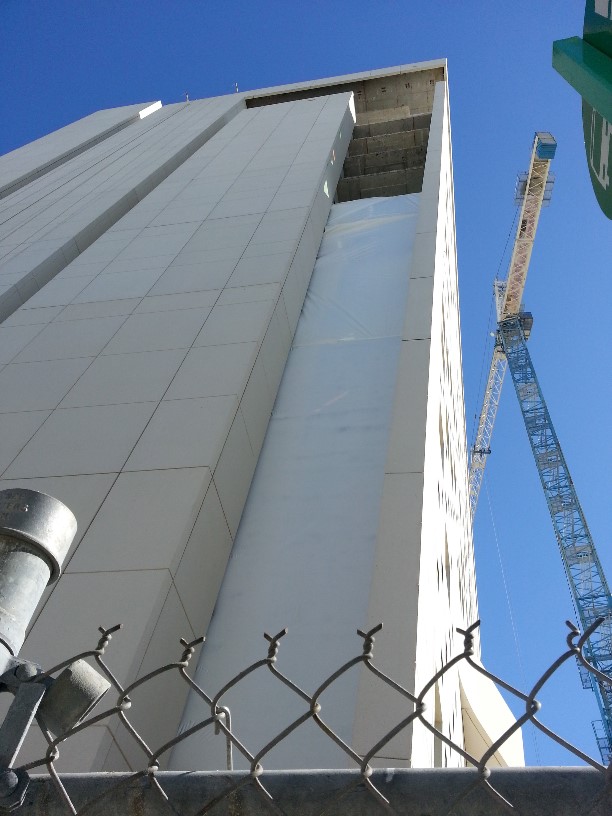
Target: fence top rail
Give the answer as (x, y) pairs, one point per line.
(411, 792)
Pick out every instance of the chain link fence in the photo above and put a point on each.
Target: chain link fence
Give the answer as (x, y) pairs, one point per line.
(223, 791)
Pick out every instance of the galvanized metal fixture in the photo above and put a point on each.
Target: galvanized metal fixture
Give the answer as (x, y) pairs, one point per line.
(36, 531)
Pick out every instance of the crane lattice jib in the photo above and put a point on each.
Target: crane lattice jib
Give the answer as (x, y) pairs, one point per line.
(482, 443)
(543, 151)
(589, 588)
(508, 297)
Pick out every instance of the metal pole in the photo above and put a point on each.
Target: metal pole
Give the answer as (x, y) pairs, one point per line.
(36, 531)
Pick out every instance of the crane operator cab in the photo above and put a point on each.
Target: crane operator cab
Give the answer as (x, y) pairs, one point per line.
(526, 323)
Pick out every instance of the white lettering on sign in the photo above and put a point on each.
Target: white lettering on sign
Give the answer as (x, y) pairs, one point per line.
(602, 7)
(600, 168)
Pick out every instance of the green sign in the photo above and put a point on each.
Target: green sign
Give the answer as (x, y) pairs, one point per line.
(597, 137)
(597, 129)
(598, 25)
(587, 65)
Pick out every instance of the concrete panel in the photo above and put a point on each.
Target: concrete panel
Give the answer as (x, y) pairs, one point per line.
(223, 233)
(102, 196)
(83, 440)
(233, 473)
(407, 438)
(80, 751)
(33, 160)
(277, 224)
(393, 599)
(180, 213)
(78, 269)
(75, 338)
(16, 430)
(164, 646)
(424, 254)
(288, 200)
(184, 433)
(235, 323)
(35, 386)
(9, 278)
(213, 371)
(180, 300)
(158, 331)
(82, 494)
(229, 207)
(430, 207)
(256, 406)
(27, 317)
(145, 521)
(125, 378)
(202, 566)
(254, 182)
(113, 758)
(275, 347)
(285, 245)
(85, 601)
(150, 245)
(103, 308)
(202, 276)
(122, 265)
(117, 286)
(262, 269)
(59, 292)
(486, 717)
(25, 289)
(14, 338)
(248, 294)
(108, 247)
(418, 313)
(293, 293)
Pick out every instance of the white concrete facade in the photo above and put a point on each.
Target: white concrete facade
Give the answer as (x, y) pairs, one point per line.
(153, 274)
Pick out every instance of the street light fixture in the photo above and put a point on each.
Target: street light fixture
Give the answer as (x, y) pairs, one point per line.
(36, 531)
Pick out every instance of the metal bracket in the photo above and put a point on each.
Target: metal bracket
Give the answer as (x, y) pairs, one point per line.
(13, 731)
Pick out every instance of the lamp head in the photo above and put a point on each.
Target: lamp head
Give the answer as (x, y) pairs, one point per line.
(71, 696)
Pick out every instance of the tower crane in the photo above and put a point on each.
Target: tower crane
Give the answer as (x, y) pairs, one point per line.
(590, 592)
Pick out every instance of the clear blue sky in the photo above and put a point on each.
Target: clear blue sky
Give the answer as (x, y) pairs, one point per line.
(65, 59)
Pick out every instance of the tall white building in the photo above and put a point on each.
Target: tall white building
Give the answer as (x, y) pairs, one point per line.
(163, 270)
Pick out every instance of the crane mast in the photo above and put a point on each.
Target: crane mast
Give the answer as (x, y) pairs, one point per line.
(585, 575)
(590, 592)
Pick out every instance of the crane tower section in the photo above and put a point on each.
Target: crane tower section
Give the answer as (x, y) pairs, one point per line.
(589, 588)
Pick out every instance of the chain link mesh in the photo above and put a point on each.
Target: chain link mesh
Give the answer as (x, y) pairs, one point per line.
(219, 720)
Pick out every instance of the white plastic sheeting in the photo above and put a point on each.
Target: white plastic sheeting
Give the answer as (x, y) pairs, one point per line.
(358, 288)
(304, 553)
